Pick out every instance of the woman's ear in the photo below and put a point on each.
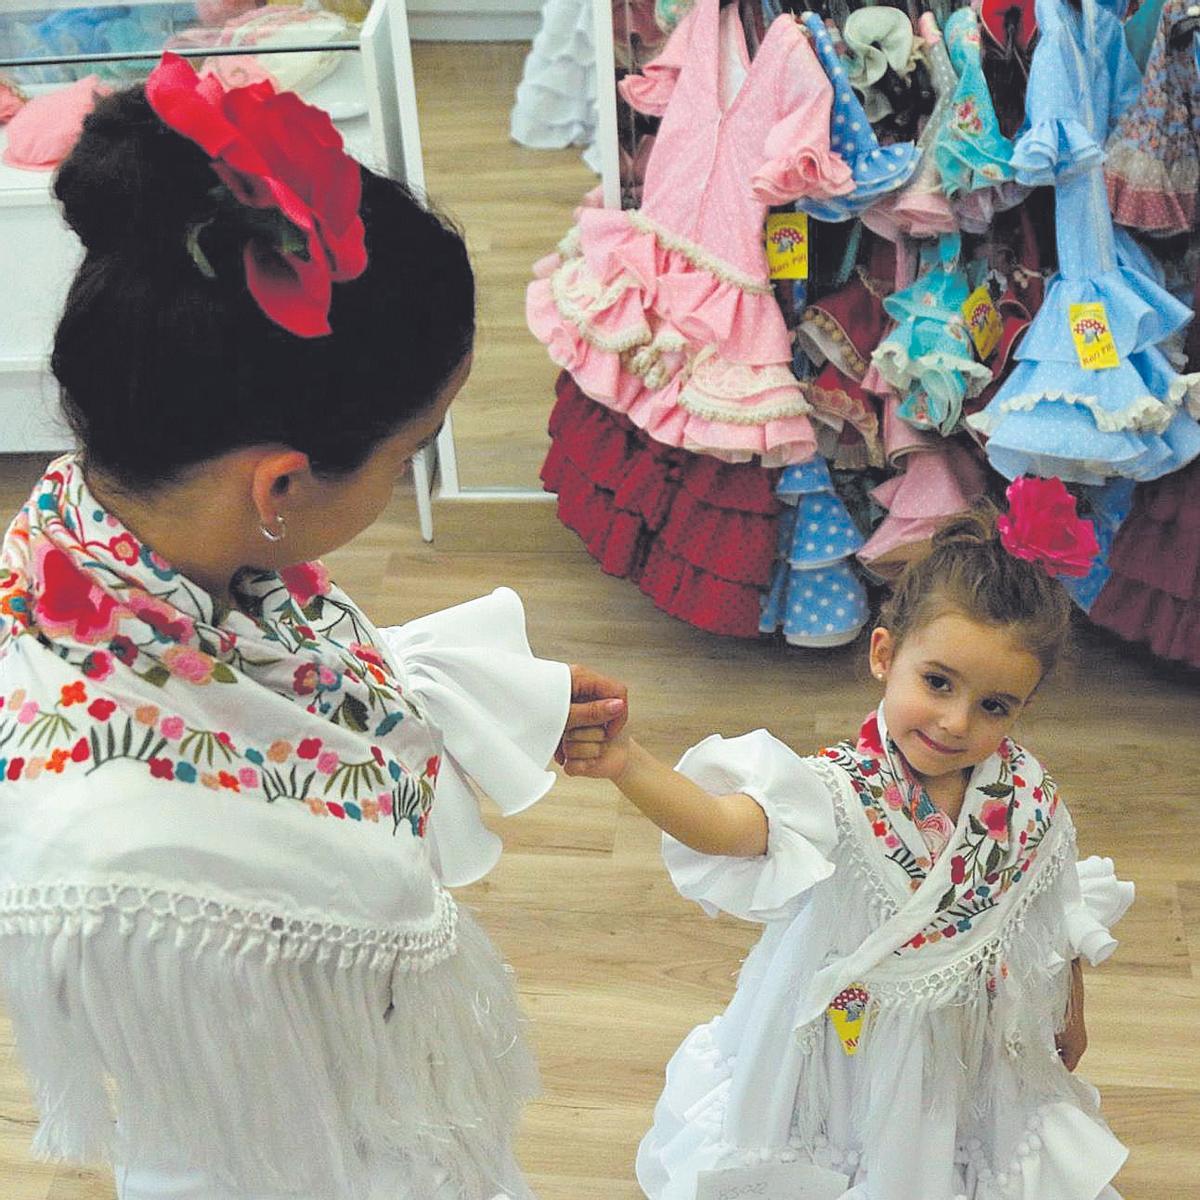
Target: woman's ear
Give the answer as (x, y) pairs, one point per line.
(273, 477)
(883, 648)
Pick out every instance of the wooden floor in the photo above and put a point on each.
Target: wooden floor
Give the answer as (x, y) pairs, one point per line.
(614, 968)
(515, 205)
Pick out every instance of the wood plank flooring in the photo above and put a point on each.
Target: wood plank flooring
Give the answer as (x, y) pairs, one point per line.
(515, 204)
(613, 966)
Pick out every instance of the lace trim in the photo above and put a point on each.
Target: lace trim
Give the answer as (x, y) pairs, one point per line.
(1143, 414)
(197, 922)
(817, 324)
(717, 391)
(884, 902)
(898, 369)
(571, 245)
(1185, 389)
(841, 404)
(647, 361)
(697, 255)
(579, 297)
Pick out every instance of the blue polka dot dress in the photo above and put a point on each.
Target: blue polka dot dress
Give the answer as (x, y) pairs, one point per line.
(877, 169)
(816, 597)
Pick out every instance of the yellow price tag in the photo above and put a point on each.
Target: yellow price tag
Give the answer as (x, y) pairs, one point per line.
(787, 245)
(983, 322)
(846, 1011)
(1093, 337)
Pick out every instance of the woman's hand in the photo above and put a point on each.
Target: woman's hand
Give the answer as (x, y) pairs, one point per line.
(597, 702)
(1072, 1041)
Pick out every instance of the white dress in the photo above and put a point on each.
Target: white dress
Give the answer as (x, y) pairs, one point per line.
(271, 1014)
(955, 1090)
(556, 98)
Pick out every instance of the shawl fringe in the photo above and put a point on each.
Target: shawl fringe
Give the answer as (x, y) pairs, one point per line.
(320, 1047)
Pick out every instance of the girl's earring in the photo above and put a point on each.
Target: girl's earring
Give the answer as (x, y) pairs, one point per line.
(275, 535)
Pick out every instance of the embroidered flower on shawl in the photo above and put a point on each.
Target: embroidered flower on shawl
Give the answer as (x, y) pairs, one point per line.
(168, 642)
(167, 622)
(125, 547)
(994, 815)
(70, 604)
(869, 741)
(193, 665)
(98, 665)
(306, 581)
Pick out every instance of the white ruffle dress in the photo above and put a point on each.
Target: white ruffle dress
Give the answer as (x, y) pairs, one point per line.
(556, 98)
(956, 1091)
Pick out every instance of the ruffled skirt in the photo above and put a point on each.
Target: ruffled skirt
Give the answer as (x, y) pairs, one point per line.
(905, 1117)
(1153, 592)
(691, 350)
(697, 535)
(1136, 420)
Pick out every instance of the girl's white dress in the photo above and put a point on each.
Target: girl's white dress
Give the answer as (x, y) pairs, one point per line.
(959, 968)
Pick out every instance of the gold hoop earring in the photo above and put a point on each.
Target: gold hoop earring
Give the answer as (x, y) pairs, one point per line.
(272, 535)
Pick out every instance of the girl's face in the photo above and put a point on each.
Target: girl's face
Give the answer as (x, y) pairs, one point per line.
(953, 690)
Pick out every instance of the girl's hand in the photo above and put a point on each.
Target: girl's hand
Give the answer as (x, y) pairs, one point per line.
(594, 753)
(1072, 1042)
(596, 702)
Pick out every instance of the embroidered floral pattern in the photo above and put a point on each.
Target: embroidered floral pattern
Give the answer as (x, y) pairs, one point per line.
(995, 850)
(77, 585)
(966, 117)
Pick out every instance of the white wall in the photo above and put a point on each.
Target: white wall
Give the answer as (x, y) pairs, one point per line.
(473, 20)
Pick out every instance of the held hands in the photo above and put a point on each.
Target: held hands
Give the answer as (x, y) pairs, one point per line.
(599, 710)
(596, 754)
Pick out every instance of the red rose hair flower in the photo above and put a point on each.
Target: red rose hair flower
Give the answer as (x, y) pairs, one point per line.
(1042, 526)
(274, 152)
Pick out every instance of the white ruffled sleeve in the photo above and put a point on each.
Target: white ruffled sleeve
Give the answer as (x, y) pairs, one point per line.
(1095, 901)
(500, 712)
(800, 829)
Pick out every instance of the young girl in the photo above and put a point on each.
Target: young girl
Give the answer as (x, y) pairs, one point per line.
(906, 1027)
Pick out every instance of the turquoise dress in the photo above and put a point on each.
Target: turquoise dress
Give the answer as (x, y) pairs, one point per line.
(928, 358)
(1051, 416)
(970, 151)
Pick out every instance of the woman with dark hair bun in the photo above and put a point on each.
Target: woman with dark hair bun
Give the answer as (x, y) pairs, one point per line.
(230, 806)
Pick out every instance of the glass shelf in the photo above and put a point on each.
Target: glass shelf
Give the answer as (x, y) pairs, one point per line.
(57, 42)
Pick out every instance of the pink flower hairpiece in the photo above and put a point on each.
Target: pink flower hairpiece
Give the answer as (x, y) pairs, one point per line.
(1042, 527)
(285, 159)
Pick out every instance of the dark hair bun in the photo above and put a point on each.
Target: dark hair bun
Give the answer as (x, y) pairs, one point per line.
(163, 364)
(132, 184)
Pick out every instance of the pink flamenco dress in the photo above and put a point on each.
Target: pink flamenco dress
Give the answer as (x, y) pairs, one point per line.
(666, 313)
